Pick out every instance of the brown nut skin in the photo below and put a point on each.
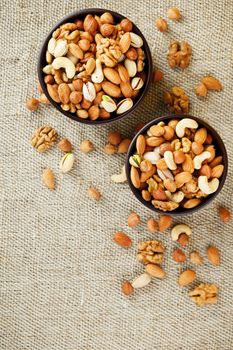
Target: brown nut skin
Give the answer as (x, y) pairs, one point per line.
(32, 104)
(213, 255)
(114, 137)
(126, 25)
(122, 239)
(127, 288)
(183, 239)
(65, 145)
(152, 225)
(165, 222)
(133, 219)
(178, 255)
(224, 214)
(186, 277)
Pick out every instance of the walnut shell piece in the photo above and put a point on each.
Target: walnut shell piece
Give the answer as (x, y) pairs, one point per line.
(43, 138)
(165, 205)
(204, 294)
(150, 252)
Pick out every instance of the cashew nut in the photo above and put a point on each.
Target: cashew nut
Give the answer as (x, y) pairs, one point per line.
(178, 229)
(176, 197)
(119, 178)
(61, 48)
(48, 69)
(67, 64)
(152, 156)
(89, 92)
(197, 161)
(165, 174)
(208, 187)
(141, 280)
(185, 123)
(98, 75)
(168, 157)
(51, 46)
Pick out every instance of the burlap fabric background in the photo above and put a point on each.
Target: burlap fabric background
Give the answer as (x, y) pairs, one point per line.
(60, 271)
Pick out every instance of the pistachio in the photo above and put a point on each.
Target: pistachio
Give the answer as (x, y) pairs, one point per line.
(108, 104)
(67, 162)
(136, 40)
(89, 92)
(124, 105)
(135, 160)
(131, 67)
(137, 83)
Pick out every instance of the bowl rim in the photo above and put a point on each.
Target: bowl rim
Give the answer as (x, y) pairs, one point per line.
(217, 142)
(41, 58)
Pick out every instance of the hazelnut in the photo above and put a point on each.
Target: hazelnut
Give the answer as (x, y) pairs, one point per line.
(183, 239)
(104, 114)
(157, 75)
(224, 214)
(179, 157)
(86, 146)
(201, 90)
(161, 24)
(195, 258)
(76, 97)
(94, 194)
(178, 255)
(109, 149)
(146, 166)
(82, 113)
(32, 104)
(124, 145)
(133, 219)
(65, 145)
(165, 222)
(78, 84)
(94, 112)
(90, 24)
(209, 139)
(114, 137)
(85, 104)
(165, 147)
(197, 148)
(107, 29)
(84, 44)
(127, 288)
(79, 24)
(174, 14)
(126, 25)
(152, 225)
(132, 54)
(106, 17)
(49, 79)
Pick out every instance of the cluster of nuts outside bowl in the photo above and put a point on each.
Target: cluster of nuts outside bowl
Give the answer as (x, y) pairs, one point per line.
(95, 66)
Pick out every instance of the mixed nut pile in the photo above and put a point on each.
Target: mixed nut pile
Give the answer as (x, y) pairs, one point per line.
(95, 66)
(151, 255)
(175, 165)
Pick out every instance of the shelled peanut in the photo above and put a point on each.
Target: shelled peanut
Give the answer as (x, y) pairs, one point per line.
(176, 164)
(95, 66)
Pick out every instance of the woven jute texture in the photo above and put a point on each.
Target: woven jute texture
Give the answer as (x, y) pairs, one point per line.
(60, 271)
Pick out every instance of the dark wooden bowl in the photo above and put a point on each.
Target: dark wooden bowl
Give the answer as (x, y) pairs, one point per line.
(148, 67)
(220, 150)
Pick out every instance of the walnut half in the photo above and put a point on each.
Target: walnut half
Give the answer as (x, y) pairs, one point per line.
(204, 294)
(150, 252)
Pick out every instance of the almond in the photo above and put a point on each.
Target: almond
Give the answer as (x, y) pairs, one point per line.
(155, 271)
(170, 185)
(201, 90)
(125, 42)
(112, 75)
(154, 141)
(156, 130)
(159, 195)
(146, 175)
(127, 288)
(135, 177)
(205, 170)
(165, 222)
(200, 135)
(161, 164)
(124, 146)
(186, 277)
(122, 239)
(213, 255)
(224, 214)
(197, 148)
(216, 161)
(188, 165)
(212, 83)
(182, 178)
(64, 93)
(53, 92)
(48, 178)
(123, 73)
(168, 132)
(178, 255)
(192, 203)
(133, 219)
(126, 89)
(76, 51)
(217, 171)
(152, 225)
(141, 144)
(111, 89)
